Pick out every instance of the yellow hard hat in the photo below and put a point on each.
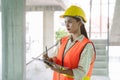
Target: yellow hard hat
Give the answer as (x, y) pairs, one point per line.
(74, 11)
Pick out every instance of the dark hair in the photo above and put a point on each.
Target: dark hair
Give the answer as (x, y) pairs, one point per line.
(82, 28)
(83, 31)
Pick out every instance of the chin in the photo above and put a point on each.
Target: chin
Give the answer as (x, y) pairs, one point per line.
(70, 32)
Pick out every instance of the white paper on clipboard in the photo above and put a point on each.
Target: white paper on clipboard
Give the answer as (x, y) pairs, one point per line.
(46, 62)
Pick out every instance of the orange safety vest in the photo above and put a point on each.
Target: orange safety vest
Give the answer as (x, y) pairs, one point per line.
(71, 59)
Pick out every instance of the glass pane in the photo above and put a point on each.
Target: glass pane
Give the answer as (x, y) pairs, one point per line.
(34, 43)
(34, 34)
(99, 19)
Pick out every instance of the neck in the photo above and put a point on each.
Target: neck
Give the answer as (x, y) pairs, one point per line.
(74, 36)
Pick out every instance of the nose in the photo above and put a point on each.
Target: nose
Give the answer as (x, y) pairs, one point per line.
(66, 24)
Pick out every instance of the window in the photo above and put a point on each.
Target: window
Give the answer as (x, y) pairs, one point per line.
(34, 34)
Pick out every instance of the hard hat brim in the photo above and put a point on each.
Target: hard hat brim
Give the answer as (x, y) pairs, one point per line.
(63, 16)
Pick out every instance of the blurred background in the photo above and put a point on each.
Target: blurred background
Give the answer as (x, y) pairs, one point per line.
(27, 26)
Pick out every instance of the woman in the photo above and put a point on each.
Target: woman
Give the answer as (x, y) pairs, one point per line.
(76, 54)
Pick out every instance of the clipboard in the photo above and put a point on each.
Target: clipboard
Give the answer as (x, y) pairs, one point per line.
(51, 64)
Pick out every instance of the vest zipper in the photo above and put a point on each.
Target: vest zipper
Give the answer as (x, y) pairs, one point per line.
(63, 54)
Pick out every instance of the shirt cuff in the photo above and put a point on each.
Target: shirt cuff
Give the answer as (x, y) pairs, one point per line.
(78, 74)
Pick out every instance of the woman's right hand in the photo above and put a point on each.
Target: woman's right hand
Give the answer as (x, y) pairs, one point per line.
(46, 57)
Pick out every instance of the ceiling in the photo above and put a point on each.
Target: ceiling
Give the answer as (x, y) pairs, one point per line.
(56, 4)
(42, 2)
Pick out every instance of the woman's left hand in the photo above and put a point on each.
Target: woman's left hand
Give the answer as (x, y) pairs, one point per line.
(56, 68)
(62, 70)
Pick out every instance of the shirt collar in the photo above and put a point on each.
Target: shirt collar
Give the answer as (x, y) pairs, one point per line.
(79, 38)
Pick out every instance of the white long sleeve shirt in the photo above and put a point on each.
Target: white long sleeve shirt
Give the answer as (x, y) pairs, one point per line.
(85, 59)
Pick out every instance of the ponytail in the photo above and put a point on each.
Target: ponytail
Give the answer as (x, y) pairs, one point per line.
(83, 30)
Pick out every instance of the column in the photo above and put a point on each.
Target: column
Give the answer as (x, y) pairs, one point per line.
(115, 29)
(13, 39)
(48, 29)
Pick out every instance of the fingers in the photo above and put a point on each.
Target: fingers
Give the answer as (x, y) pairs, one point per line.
(45, 56)
(56, 68)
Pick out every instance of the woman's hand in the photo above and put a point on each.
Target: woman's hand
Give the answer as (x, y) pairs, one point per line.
(45, 56)
(56, 68)
(62, 70)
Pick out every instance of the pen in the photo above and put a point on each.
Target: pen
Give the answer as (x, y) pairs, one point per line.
(46, 50)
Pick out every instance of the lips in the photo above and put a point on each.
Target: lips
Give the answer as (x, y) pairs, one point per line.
(68, 29)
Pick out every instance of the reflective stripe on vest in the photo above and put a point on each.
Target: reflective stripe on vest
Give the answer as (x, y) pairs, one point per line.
(86, 78)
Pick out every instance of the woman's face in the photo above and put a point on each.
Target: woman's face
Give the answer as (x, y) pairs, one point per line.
(72, 25)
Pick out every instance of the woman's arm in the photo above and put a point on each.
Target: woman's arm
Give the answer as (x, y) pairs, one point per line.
(84, 63)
